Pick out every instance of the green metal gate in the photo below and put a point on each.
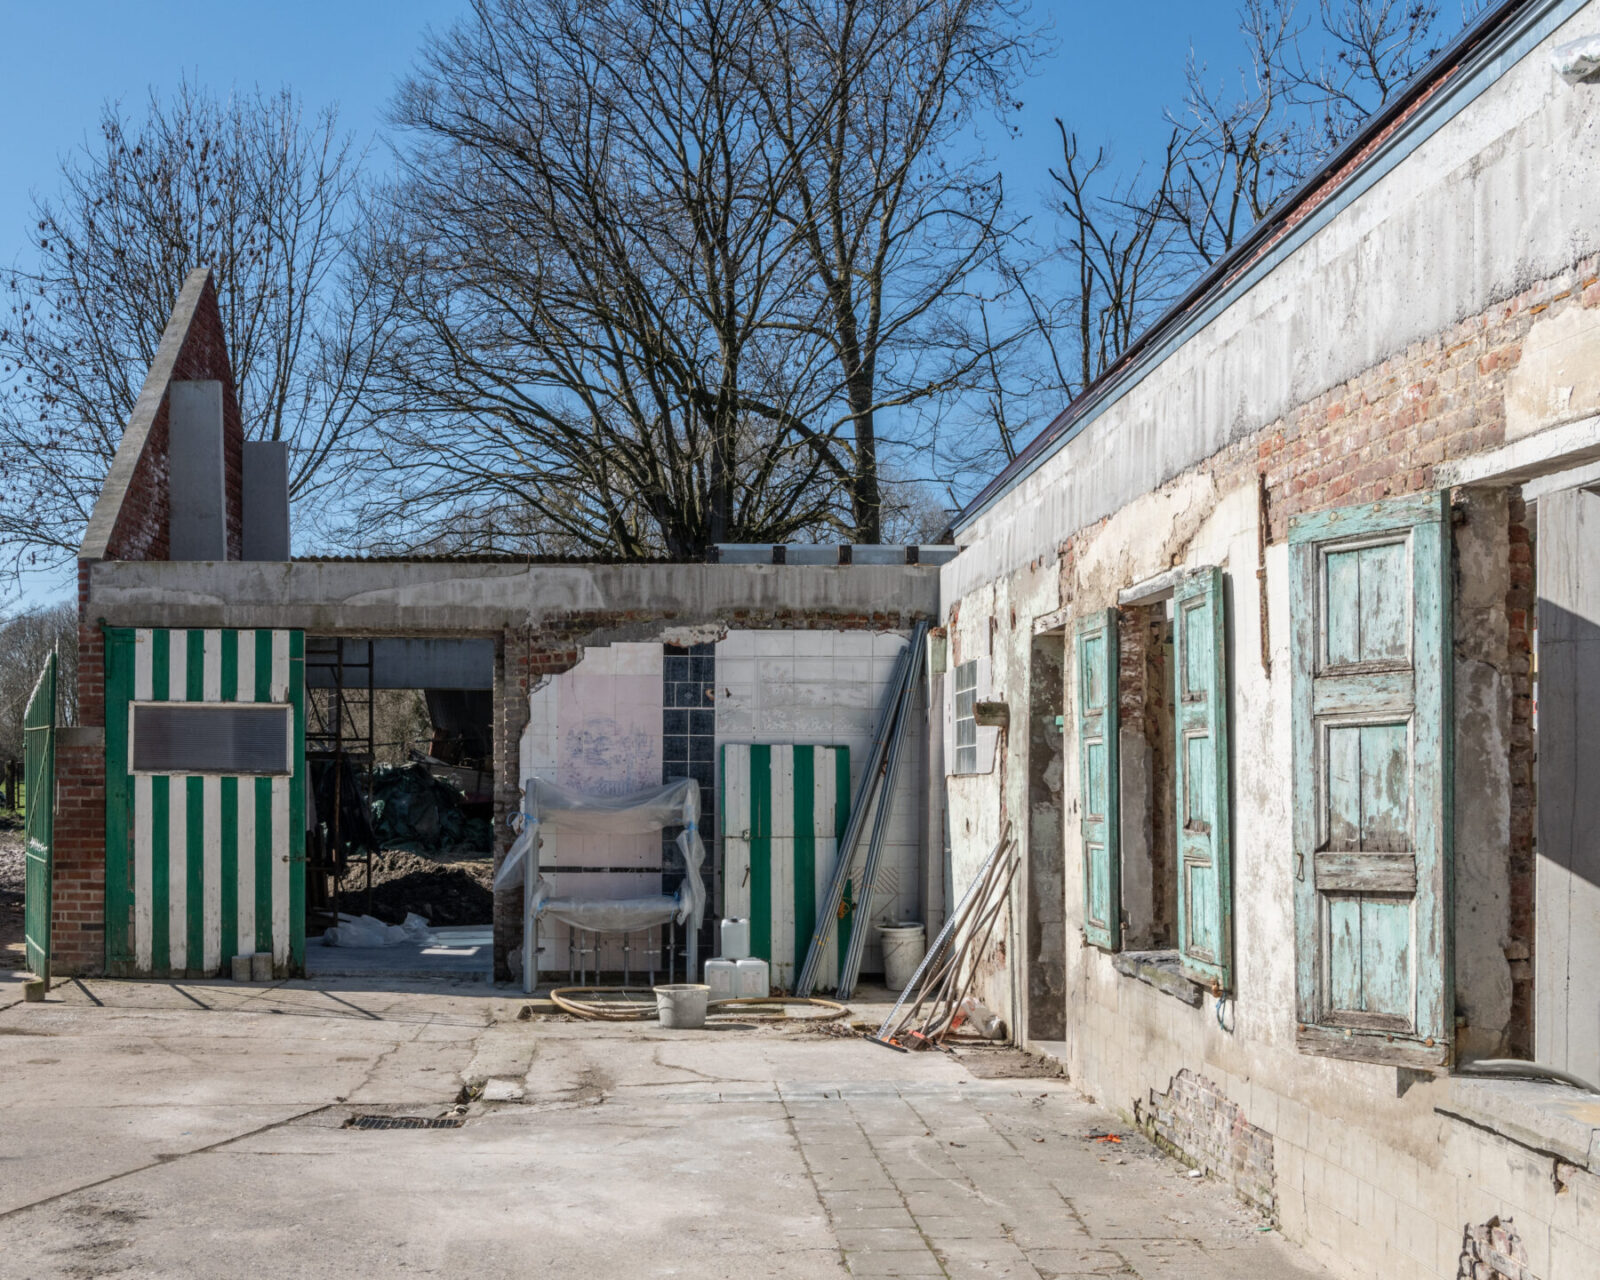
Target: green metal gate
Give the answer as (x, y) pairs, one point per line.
(39, 773)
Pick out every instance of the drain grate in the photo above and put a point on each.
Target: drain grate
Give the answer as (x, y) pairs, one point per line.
(405, 1122)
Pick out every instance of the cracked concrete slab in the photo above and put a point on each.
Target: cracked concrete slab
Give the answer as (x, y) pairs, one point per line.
(177, 1129)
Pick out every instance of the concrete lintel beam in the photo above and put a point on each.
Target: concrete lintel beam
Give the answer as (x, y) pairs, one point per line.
(1555, 449)
(1151, 589)
(389, 598)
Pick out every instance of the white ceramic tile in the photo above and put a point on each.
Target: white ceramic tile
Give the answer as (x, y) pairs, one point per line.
(774, 644)
(734, 722)
(637, 659)
(814, 644)
(736, 671)
(775, 671)
(815, 668)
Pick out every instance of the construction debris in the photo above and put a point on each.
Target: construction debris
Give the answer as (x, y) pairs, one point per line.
(938, 999)
(444, 892)
(415, 812)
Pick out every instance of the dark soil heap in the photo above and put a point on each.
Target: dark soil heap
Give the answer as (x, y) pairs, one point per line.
(443, 892)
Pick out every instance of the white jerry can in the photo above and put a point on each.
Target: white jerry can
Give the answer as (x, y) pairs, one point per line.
(752, 978)
(721, 977)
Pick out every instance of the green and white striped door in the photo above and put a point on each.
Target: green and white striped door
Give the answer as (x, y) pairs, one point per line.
(205, 855)
(783, 811)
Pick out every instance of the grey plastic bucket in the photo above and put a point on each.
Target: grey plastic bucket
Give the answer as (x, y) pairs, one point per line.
(682, 1005)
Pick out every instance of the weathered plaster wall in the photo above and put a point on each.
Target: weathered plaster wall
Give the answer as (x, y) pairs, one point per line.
(1375, 353)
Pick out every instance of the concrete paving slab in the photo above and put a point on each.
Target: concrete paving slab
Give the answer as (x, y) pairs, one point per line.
(193, 1128)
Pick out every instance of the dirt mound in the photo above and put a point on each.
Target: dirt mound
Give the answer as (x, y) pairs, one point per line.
(442, 891)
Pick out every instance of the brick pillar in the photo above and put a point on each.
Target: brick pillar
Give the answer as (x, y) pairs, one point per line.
(522, 661)
(78, 907)
(78, 916)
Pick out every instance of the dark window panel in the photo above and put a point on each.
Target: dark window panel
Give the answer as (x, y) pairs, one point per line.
(211, 738)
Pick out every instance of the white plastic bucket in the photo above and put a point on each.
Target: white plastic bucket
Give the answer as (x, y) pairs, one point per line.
(721, 980)
(682, 1005)
(735, 938)
(904, 945)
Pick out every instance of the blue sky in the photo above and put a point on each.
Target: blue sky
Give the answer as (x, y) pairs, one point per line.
(1113, 68)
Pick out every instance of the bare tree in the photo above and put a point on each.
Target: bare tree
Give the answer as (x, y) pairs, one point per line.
(1310, 79)
(591, 269)
(871, 101)
(26, 640)
(248, 186)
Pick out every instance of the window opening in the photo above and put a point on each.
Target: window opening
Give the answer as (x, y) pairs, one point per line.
(1147, 760)
(966, 696)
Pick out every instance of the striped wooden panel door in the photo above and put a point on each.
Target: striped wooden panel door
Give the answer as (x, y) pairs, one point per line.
(203, 866)
(783, 810)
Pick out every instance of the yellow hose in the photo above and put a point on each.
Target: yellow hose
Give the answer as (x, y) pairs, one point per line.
(570, 1000)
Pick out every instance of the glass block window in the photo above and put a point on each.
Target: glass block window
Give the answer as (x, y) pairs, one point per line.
(211, 737)
(966, 690)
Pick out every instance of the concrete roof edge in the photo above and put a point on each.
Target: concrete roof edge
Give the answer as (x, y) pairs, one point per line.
(108, 506)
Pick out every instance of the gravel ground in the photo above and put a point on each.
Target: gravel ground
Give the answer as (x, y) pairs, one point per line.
(12, 881)
(11, 864)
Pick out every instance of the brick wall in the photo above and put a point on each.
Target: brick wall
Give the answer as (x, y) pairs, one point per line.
(1520, 858)
(142, 526)
(78, 910)
(1492, 1250)
(527, 656)
(1383, 434)
(1197, 1122)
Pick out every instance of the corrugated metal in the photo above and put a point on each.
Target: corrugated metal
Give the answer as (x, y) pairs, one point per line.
(202, 867)
(783, 810)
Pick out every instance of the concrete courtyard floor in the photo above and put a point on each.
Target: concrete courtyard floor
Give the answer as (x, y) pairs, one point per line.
(200, 1129)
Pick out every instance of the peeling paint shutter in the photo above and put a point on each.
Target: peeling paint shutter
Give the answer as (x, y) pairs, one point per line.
(1096, 637)
(1370, 649)
(1205, 874)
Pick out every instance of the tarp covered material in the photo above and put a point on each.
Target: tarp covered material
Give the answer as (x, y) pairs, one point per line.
(367, 931)
(548, 804)
(415, 812)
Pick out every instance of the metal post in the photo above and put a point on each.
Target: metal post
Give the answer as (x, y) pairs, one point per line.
(828, 908)
(851, 968)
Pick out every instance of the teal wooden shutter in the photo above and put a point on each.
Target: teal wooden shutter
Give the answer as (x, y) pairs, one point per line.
(1098, 797)
(1370, 650)
(1205, 872)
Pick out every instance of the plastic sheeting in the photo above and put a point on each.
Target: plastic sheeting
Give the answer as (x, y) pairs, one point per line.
(1577, 60)
(368, 931)
(548, 804)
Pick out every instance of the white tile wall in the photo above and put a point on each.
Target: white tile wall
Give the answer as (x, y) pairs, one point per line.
(615, 691)
(827, 688)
